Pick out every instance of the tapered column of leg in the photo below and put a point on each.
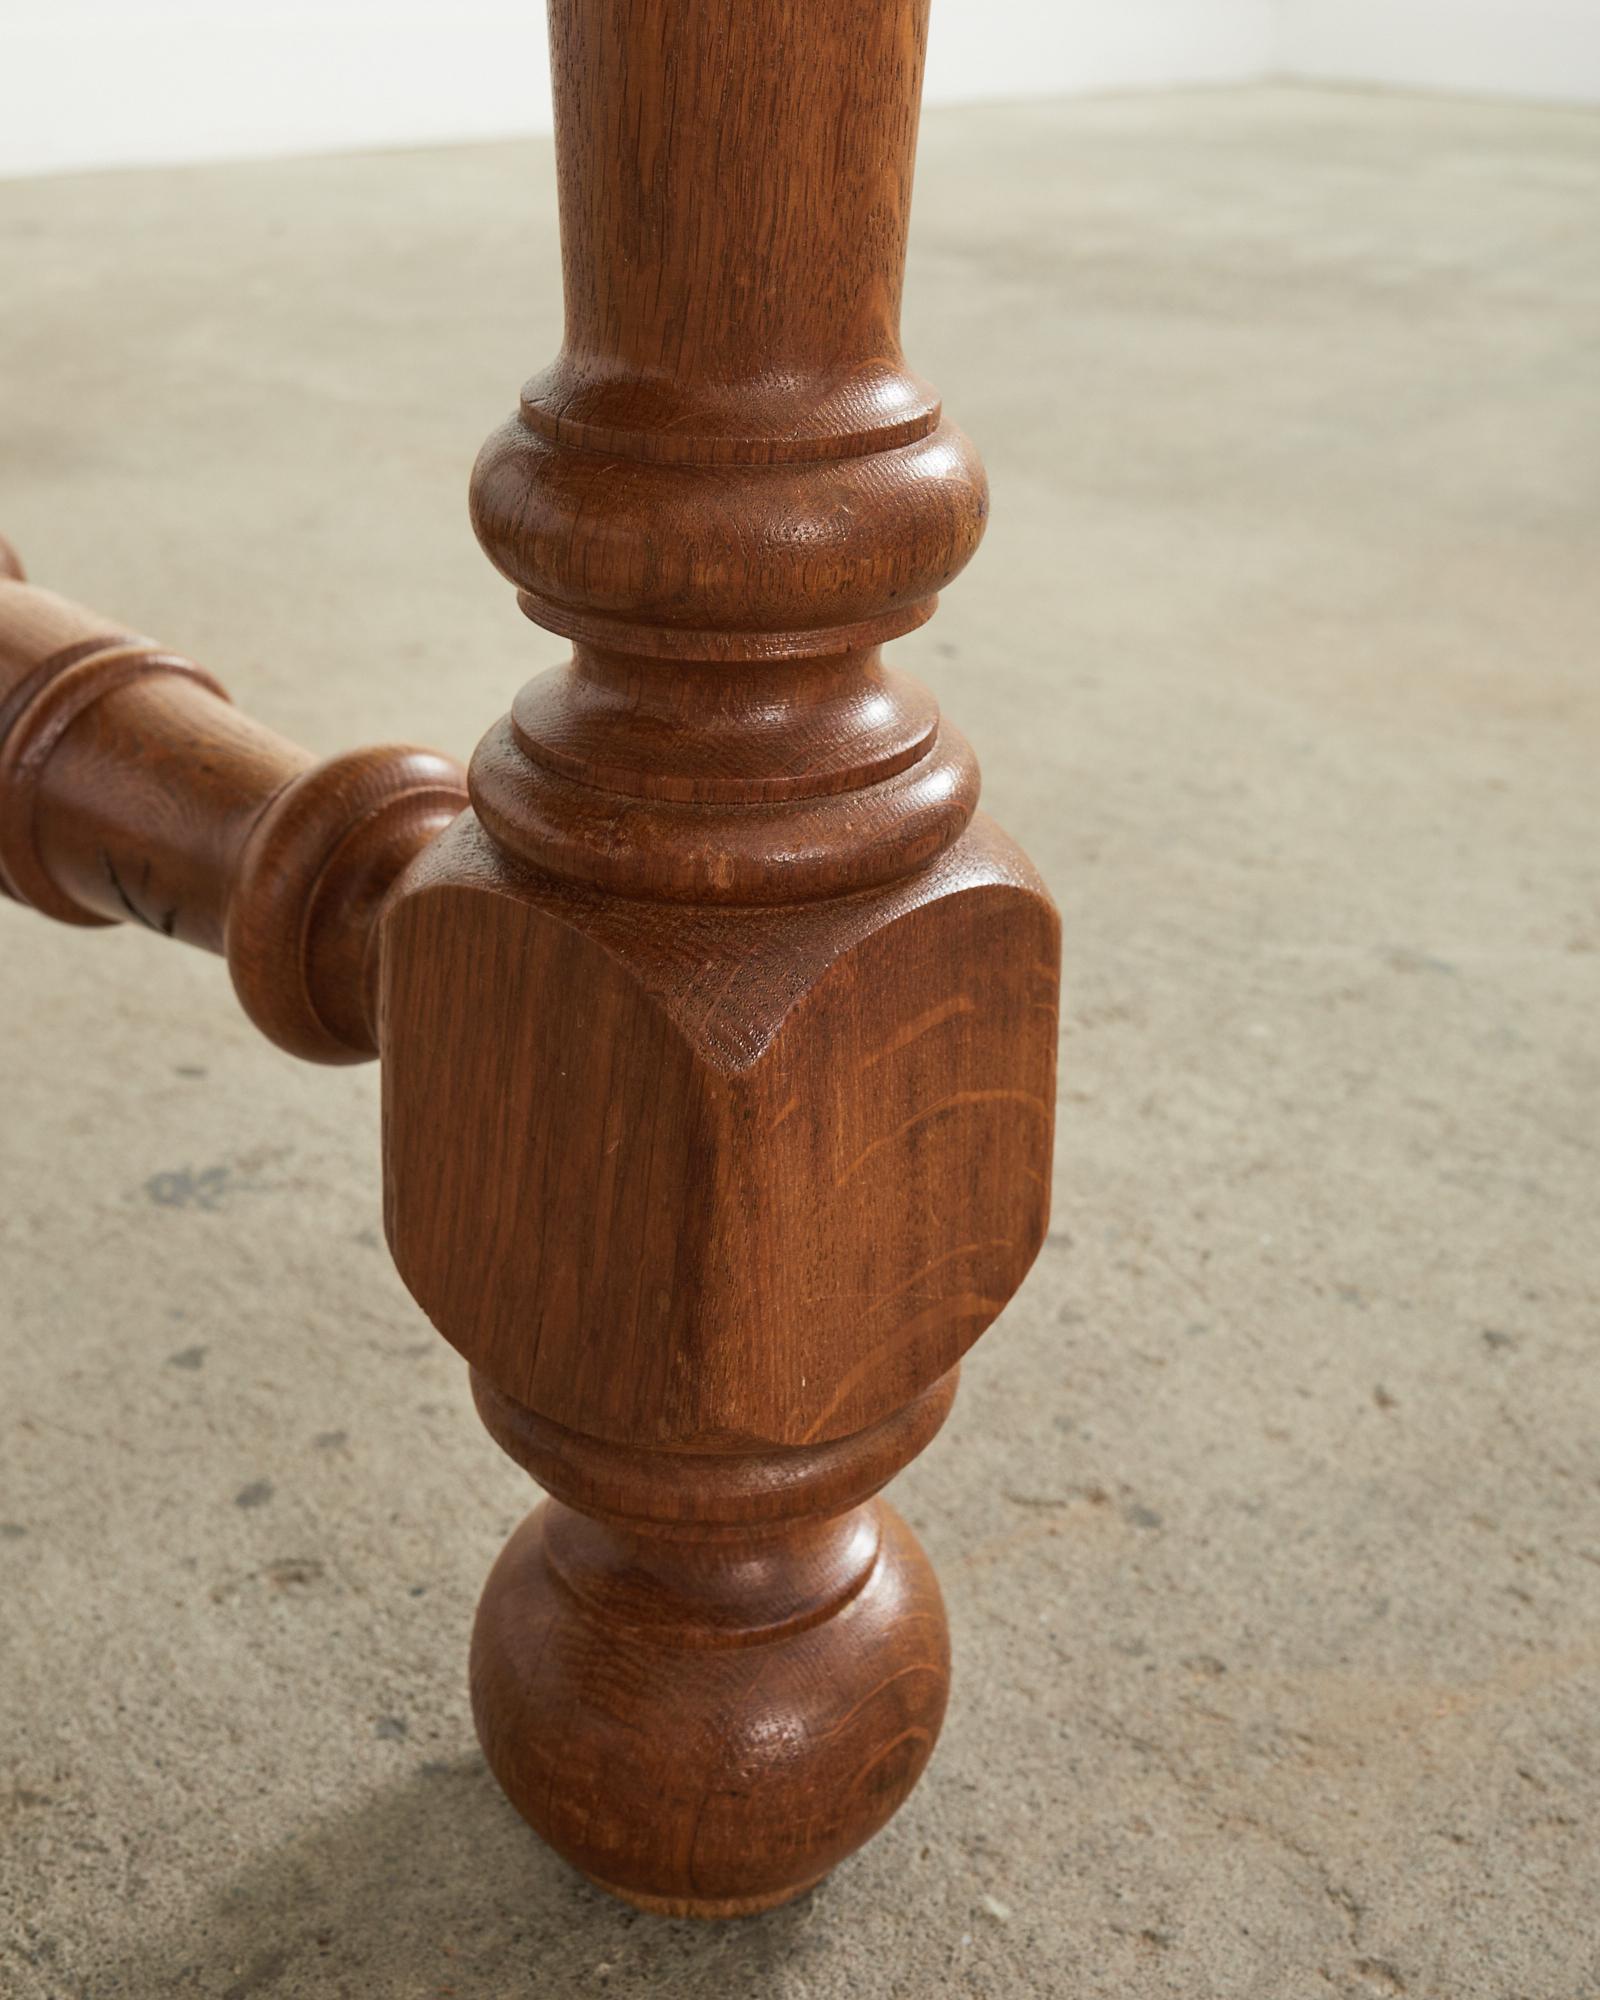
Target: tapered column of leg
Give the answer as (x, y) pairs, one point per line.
(705, 1678)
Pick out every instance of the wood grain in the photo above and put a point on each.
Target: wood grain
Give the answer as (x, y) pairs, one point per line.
(132, 791)
(745, 1018)
(750, 1643)
(733, 1173)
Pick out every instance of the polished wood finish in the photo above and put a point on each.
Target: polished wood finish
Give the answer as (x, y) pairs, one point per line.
(707, 1676)
(131, 791)
(740, 1175)
(719, 1033)
(747, 1018)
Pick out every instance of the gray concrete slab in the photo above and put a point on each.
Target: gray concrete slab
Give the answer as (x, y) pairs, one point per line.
(1270, 1514)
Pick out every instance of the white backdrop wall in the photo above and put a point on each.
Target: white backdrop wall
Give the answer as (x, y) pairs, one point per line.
(88, 83)
(1518, 48)
(114, 82)
(980, 50)
(102, 82)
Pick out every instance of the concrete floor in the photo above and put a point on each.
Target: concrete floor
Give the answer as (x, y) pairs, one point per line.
(1270, 1514)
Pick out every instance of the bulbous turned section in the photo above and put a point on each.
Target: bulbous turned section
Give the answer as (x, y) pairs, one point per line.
(131, 790)
(697, 734)
(311, 881)
(729, 490)
(752, 562)
(605, 776)
(782, 1622)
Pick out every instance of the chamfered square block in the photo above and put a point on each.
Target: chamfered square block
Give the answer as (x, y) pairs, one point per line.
(672, 1174)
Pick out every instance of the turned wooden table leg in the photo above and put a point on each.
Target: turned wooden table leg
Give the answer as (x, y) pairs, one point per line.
(719, 1033)
(719, 1037)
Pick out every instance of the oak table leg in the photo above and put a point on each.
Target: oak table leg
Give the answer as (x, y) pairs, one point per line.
(718, 1033)
(747, 1023)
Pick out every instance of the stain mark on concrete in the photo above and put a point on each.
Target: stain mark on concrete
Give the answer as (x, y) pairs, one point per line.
(188, 1357)
(193, 1070)
(11, 1531)
(1383, 1399)
(1497, 1338)
(262, 1971)
(256, 1494)
(1404, 958)
(182, 1187)
(291, 1574)
(214, 1186)
(1140, 1516)
(391, 1727)
(294, 1572)
(331, 1440)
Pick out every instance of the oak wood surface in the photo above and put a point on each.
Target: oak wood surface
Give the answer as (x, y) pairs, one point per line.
(706, 1677)
(738, 1173)
(132, 791)
(747, 1022)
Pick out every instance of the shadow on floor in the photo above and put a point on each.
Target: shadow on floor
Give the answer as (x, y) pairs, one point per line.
(434, 1887)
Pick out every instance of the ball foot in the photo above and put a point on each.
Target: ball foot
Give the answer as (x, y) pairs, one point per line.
(704, 1723)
